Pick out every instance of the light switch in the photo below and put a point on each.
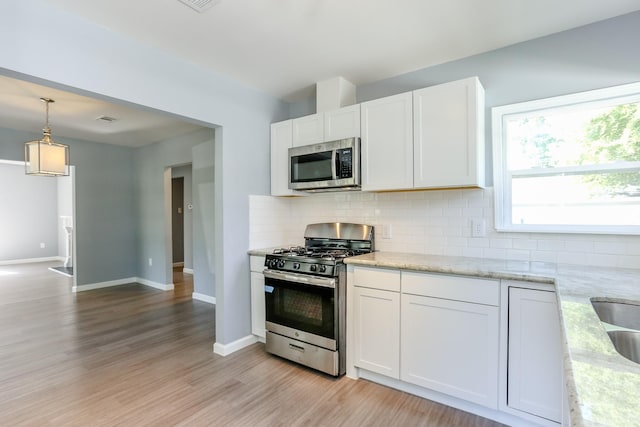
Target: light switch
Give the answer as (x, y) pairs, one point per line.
(179, 210)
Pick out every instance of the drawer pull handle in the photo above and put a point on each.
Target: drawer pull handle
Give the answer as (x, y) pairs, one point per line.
(296, 347)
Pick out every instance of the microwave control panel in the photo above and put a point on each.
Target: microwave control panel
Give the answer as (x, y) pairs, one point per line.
(344, 160)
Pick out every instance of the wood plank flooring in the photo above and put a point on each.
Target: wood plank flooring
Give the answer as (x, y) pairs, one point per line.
(135, 356)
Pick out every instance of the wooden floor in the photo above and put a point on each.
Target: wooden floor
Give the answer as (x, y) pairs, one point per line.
(135, 356)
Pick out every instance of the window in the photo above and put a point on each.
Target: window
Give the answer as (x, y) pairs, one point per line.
(569, 163)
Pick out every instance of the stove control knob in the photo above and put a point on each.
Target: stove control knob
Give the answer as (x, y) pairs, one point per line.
(281, 263)
(323, 268)
(313, 267)
(296, 266)
(273, 263)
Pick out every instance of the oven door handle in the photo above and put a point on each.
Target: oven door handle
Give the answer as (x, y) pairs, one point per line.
(300, 278)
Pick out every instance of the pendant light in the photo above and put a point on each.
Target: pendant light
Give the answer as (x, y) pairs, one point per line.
(46, 157)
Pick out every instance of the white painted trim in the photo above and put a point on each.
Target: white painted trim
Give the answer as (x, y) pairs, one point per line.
(188, 271)
(100, 285)
(227, 349)
(203, 298)
(167, 287)
(31, 260)
(12, 162)
(178, 264)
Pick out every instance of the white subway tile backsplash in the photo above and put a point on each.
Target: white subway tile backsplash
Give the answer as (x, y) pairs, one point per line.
(628, 261)
(501, 243)
(525, 244)
(548, 244)
(544, 256)
(432, 222)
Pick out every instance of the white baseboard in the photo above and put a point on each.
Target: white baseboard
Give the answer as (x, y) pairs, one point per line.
(203, 298)
(188, 270)
(32, 260)
(227, 349)
(162, 287)
(108, 284)
(119, 282)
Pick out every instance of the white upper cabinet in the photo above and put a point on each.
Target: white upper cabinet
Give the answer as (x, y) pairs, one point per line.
(308, 130)
(387, 143)
(448, 135)
(328, 126)
(342, 123)
(281, 137)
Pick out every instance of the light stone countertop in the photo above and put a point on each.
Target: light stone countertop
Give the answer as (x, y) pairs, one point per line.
(603, 387)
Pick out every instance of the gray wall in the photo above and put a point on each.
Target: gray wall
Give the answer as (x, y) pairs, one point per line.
(204, 219)
(185, 172)
(28, 215)
(590, 57)
(151, 162)
(105, 220)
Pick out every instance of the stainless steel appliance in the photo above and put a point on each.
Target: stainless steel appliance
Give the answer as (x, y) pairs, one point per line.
(329, 166)
(305, 294)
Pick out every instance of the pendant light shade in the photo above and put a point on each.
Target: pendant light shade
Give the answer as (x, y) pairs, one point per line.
(45, 157)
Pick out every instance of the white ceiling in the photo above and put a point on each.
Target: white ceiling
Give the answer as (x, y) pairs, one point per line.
(282, 47)
(75, 116)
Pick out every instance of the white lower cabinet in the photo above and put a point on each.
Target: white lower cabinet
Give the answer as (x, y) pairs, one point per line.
(451, 347)
(376, 320)
(534, 384)
(377, 331)
(257, 297)
(461, 340)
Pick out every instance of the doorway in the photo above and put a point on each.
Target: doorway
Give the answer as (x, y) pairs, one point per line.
(177, 221)
(180, 227)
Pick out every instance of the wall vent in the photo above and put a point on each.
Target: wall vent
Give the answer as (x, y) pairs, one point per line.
(200, 5)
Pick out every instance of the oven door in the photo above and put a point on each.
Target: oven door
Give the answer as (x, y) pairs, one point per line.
(302, 307)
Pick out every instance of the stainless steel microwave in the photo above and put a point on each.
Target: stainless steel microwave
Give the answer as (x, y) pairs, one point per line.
(328, 166)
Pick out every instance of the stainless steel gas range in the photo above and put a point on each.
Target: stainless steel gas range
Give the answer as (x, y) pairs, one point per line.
(305, 294)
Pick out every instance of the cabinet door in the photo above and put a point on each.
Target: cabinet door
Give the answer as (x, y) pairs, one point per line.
(308, 130)
(342, 123)
(451, 347)
(257, 305)
(377, 331)
(449, 135)
(280, 143)
(387, 143)
(535, 354)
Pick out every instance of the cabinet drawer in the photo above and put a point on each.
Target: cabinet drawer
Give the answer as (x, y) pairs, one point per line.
(256, 263)
(458, 288)
(377, 278)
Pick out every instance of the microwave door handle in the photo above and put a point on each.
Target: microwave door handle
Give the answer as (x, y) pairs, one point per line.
(335, 158)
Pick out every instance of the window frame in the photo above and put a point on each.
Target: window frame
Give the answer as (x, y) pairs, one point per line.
(502, 177)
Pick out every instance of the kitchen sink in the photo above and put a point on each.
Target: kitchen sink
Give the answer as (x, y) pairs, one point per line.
(625, 315)
(627, 343)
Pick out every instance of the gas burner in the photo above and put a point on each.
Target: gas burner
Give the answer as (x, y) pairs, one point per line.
(291, 251)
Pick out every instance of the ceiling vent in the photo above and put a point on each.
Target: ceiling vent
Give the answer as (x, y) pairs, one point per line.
(106, 119)
(200, 5)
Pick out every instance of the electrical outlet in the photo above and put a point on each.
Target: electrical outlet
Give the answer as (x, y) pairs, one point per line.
(478, 228)
(150, 261)
(42, 245)
(386, 231)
